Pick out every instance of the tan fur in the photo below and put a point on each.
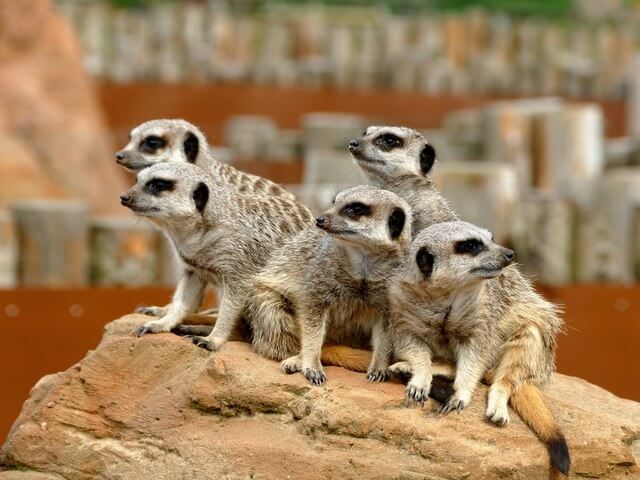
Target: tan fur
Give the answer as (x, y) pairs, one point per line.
(462, 302)
(331, 285)
(224, 239)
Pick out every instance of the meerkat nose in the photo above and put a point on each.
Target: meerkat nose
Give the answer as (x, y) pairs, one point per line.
(321, 221)
(509, 255)
(125, 200)
(120, 156)
(354, 145)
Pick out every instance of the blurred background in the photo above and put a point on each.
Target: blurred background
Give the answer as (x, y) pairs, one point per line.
(532, 106)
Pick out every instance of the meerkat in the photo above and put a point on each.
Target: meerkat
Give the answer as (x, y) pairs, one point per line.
(460, 299)
(399, 159)
(222, 236)
(330, 284)
(176, 140)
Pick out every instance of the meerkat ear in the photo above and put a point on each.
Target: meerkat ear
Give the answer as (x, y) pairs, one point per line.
(425, 262)
(191, 146)
(427, 157)
(201, 196)
(396, 222)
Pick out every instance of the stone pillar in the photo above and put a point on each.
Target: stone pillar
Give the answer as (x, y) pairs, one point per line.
(8, 252)
(543, 233)
(53, 243)
(124, 252)
(571, 153)
(481, 192)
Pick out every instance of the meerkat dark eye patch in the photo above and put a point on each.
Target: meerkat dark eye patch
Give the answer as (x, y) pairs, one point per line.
(201, 196)
(396, 222)
(388, 141)
(152, 143)
(471, 246)
(425, 262)
(427, 158)
(157, 185)
(191, 146)
(356, 210)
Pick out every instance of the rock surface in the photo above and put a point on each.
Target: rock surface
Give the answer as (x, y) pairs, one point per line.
(49, 113)
(160, 408)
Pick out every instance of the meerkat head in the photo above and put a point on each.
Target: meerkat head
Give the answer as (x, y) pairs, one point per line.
(368, 216)
(456, 254)
(169, 193)
(159, 141)
(387, 153)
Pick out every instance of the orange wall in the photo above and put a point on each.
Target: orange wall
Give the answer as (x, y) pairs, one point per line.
(601, 344)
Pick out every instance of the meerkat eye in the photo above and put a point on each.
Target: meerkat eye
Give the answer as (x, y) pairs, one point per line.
(152, 143)
(387, 141)
(471, 246)
(157, 185)
(356, 210)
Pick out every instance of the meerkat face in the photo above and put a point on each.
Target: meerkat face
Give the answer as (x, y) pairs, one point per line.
(385, 153)
(368, 216)
(457, 254)
(168, 193)
(159, 141)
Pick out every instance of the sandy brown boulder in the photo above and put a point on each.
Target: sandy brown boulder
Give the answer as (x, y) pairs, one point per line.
(160, 408)
(47, 103)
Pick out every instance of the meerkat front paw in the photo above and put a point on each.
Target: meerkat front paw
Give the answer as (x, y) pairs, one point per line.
(377, 375)
(458, 401)
(497, 409)
(212, 345)
(152, 311)
(314, 376)
(417, 390)
(291, 365)
(150, 327)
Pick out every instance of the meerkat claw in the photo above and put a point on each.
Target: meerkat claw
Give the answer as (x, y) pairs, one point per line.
(415, 394)
(201, 342)
(380, 376)
(142, 330)
(451, 405)
(315, 377)
(151, 311)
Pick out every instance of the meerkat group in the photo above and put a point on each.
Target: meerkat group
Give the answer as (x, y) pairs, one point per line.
(388, 265)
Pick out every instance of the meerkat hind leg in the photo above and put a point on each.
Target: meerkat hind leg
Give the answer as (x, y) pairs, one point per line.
(229, 314)
(378, 370)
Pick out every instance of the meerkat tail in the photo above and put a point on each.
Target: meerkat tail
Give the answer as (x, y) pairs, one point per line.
(528, 402)
(350, 358)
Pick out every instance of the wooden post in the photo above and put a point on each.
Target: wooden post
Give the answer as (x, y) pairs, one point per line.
(52, 241)
(8, 251)
(571, 154)
(124, 252)
(481, 192)
(543, 236)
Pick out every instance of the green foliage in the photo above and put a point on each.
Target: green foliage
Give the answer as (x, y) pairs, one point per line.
(545, 8)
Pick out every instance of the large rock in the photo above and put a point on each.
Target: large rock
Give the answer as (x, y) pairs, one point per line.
(48, 105)
(160, 408)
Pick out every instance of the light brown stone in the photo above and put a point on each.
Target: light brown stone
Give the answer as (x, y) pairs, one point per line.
(160, 408)
(48, 103)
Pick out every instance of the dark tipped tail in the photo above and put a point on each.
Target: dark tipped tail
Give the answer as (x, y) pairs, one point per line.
(530, 404)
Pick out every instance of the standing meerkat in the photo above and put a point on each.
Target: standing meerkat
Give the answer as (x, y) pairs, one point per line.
(330, 284)
(399, 159)
(222, 237)
(175, 140)
(460, 299)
